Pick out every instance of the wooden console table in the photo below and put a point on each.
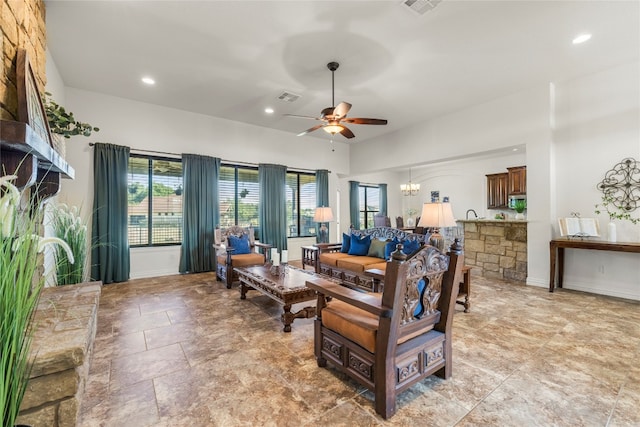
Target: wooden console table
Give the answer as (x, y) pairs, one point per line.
(557, 247)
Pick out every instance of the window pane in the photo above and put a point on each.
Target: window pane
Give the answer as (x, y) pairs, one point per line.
(307, 205)
(239, 198)
(248, 197)
(155, 217)
(138, 188)
(227, 188)
(166, 202)
(291, 195)
(301, 204)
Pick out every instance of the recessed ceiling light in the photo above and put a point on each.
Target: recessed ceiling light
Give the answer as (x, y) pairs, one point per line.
(148, 81)
(515, 149)
(268, 110)
(581, 38)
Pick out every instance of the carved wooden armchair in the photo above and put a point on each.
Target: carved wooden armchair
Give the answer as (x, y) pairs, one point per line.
(387, 342)
(236, 247)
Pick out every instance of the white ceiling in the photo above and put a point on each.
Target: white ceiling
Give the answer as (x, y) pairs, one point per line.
(231, 59)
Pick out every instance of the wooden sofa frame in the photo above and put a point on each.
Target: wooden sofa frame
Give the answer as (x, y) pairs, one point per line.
(311, 256)
(408, 347)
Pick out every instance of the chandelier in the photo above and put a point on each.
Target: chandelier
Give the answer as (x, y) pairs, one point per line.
(410, 189)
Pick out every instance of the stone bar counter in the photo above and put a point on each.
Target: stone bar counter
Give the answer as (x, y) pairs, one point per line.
(496, 248)
(65, 320)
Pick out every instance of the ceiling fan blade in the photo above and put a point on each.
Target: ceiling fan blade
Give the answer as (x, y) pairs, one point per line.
(316, 127)
(302, 117)
(362, 121)
(346, 132)
(341, 109)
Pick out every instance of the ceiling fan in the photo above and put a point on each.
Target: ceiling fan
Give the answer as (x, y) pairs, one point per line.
(334, 117)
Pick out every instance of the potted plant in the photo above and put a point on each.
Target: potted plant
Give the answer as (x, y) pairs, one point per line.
(67, 224)
(614, 212)
(20, 289)
(62, 122)
(519, 206)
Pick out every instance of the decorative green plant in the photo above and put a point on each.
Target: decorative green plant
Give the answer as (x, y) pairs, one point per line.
(67, 224)
(20, 289)
(62, 121)
(607, 206)
(520, 205)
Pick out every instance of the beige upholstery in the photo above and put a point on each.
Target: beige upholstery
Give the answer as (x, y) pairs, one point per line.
(331, 258)
(357, 263)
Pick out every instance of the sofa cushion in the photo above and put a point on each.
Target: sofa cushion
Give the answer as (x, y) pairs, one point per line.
(330, 258)
(376, 248)
(358, 325)
(380, 266)
(240, 244)
(346, 243)
(410, 246)
(390, 247)
(352, 323)
(242, 260)
(357, 264)
(359, 246)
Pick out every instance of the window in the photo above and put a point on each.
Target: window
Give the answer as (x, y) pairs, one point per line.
(239, 196)
(369, 199)
(301, 204)
(155, 218)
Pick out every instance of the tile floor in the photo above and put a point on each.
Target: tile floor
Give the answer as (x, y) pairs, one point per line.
(186, 351)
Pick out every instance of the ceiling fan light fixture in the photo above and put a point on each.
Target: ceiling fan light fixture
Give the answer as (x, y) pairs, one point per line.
(333, 128)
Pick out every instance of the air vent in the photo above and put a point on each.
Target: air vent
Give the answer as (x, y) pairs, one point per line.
(287, 96)
(421, 6)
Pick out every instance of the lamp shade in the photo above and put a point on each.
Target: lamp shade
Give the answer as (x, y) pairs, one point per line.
(437, 215)
(323, 214)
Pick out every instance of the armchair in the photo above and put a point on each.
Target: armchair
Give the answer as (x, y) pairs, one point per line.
(391, 340)
(231, 252)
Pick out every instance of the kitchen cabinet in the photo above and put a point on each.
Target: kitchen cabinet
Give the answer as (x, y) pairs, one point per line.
(497, 190)
(517, 180)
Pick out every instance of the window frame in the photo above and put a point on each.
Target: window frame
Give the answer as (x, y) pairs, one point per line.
(364, 224)
(298, 219)
(150, 159)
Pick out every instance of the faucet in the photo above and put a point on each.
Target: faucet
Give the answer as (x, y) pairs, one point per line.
(474, 213)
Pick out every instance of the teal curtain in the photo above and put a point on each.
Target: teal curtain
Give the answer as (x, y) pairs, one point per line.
(200, 212)
(109, 241)
(354, 204)
(322, 197)
(273, 207)
(383, 198)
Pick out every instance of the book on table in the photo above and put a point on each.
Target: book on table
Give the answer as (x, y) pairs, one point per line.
(582, 227)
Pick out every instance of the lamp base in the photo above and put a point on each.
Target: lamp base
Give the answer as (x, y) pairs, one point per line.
(436, 239)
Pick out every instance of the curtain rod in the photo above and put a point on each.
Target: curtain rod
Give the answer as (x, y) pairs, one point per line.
(91, 144)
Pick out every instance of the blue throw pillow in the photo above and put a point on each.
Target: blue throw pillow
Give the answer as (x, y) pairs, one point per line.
(240, 244)
(419, 307)
(346, 243)
(359, 246)
(390, 247)
(410, 246)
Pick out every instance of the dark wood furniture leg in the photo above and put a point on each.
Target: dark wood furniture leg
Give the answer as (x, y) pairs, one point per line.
(552, 265)
(465, 288)
(560, 266)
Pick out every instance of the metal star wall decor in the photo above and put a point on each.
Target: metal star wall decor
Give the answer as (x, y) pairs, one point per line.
(622, 185)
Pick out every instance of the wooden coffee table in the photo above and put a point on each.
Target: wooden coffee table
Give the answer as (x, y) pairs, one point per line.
(287, 288)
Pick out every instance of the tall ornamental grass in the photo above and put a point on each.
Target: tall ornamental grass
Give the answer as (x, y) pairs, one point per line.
(20, 289)
(67, 225)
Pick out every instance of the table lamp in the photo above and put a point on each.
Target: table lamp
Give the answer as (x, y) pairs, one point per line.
(323, 215)
(437, 215)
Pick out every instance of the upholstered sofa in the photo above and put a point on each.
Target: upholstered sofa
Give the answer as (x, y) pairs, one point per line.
(341, 261)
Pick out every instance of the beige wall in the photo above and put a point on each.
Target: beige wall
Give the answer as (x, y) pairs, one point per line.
(23, 26)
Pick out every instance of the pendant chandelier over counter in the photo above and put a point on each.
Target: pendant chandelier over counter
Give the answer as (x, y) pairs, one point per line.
(410, 189)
